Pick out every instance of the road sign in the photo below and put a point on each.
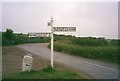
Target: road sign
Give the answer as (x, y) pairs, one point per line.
(43, 34)
(57, 29)
(64, 29)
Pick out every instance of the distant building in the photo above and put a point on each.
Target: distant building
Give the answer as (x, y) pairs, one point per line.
(108, 40)
(43, 34)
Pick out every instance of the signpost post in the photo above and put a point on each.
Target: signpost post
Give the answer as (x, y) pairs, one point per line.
(58, 29)
(52, 32)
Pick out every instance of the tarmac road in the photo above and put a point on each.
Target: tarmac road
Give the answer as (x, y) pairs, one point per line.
(96, 69)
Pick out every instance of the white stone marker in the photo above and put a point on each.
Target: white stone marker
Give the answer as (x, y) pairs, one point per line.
(27, 63)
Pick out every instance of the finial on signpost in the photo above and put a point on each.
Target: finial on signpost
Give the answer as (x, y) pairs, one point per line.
(52, 21)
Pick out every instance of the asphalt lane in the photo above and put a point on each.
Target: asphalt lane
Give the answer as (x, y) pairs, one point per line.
(96, 69)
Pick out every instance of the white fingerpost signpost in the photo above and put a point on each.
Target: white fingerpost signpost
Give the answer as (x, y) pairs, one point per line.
(27, 60)
(57, 29)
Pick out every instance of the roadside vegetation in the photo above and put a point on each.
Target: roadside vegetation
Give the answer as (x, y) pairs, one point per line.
(45, 73)
(0, 39)
(88, 47)
(10, 38)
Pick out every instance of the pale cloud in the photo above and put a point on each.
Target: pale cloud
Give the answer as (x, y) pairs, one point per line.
(0, 16)
(90, 18)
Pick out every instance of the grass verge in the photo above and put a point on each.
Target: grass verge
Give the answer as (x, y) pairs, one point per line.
(12, 64)
(45, 73)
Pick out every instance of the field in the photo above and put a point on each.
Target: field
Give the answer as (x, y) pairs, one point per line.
(89, 47)
(11, 68)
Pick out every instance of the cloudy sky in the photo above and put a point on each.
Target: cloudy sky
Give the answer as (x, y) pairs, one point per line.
(97, 19)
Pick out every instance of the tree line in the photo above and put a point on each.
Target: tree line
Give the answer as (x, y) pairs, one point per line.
(11, 38)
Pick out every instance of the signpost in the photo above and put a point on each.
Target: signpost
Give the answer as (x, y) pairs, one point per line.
(58, 29)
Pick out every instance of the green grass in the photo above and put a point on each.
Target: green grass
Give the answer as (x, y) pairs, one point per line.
(46, 73)
(0, 38)
(94, 48)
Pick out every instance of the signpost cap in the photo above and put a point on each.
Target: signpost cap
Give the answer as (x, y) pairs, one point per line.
(52, 18)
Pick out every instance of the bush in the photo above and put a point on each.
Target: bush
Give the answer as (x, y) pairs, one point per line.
(6, 42)
(95, 48)
(10, 38)
(8, 34)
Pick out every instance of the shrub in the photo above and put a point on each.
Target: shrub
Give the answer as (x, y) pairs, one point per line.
(95, 48)
(10, 38)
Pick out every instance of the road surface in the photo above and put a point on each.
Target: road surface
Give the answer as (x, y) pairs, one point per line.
(96, 69)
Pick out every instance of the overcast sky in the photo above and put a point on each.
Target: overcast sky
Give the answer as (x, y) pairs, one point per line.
(97, 19)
